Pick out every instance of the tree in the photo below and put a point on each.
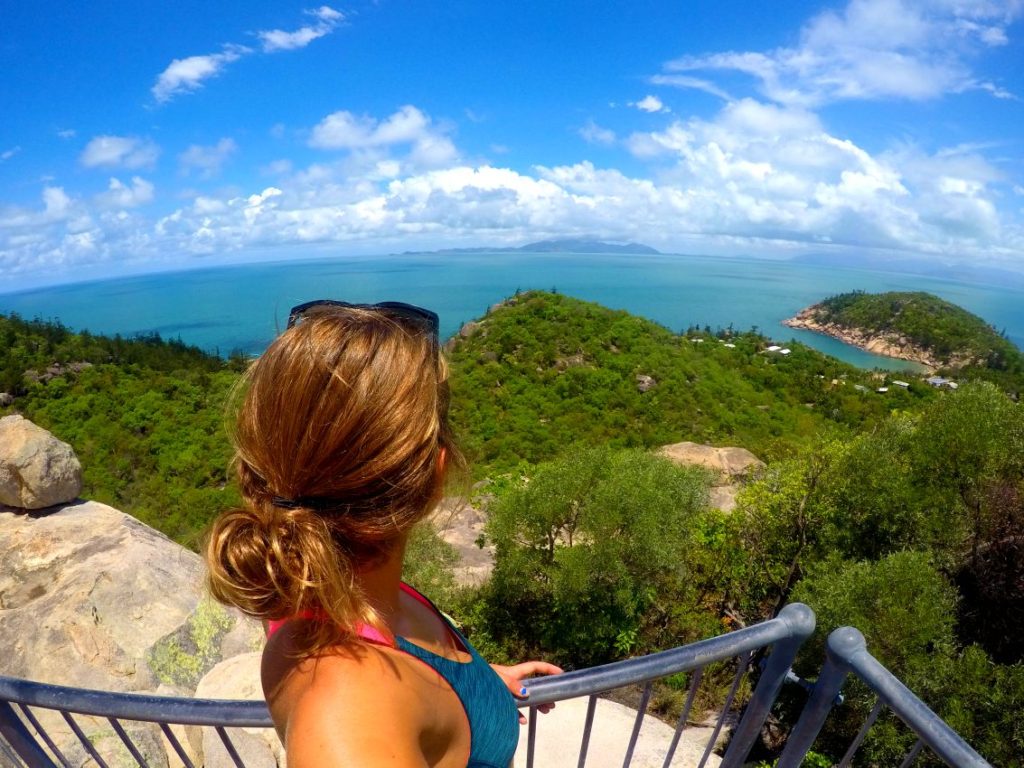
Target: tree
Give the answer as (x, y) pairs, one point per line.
(592, 554)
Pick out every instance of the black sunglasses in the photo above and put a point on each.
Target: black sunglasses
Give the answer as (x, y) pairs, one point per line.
(422, 317)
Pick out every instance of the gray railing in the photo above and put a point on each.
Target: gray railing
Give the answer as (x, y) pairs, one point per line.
(24, 740)
(32, 743)
(846, 654)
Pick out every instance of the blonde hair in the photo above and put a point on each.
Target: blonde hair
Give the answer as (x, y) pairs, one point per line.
(338, 449)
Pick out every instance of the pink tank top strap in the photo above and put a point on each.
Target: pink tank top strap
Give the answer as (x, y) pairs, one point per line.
(365, 631)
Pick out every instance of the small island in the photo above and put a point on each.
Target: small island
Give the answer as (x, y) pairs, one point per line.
(915, 326)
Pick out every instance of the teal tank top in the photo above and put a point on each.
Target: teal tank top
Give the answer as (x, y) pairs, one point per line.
(490, 708)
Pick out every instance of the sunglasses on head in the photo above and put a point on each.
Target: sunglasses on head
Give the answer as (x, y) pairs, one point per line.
(422, 317)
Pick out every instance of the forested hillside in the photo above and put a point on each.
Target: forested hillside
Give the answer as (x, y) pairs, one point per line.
(543, 371)
(954, 335)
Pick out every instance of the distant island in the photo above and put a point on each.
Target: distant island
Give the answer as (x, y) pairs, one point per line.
(562, 245)
(915, 326)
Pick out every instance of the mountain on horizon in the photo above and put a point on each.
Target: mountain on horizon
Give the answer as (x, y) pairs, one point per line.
(561, 245)
(582, 245)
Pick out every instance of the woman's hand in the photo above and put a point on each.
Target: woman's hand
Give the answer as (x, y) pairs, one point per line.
(513, 678)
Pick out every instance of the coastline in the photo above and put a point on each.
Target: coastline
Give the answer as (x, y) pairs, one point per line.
(886, 345)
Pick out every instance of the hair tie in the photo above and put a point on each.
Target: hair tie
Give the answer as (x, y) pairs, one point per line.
(311, 502)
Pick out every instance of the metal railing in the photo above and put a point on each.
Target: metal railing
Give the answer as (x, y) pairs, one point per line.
(25, 741)
(23, 735)
(846, 653)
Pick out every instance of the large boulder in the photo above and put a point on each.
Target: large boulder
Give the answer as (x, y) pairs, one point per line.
(731, 467)
(36, 469)
(236, 678)
(560, 734)
(92, 598)
(730, 464)
(461, 524)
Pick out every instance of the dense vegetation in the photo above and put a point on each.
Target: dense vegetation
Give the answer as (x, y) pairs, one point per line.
(145, 416)
(544, 371)
(901, 513)
(950, 333)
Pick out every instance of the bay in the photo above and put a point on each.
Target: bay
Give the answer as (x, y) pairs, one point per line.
(242, 307)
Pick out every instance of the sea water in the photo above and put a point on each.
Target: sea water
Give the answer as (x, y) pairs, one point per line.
(241, 308)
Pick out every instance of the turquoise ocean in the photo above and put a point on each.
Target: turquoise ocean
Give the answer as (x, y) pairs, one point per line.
(241, 308)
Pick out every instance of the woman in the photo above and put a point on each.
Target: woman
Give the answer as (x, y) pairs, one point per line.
(342, 445)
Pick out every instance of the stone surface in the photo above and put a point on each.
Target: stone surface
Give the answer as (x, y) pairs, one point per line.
(730, 463)
(645, 382)
(238, 678)
(92, 598)
(560, 733)
(6, 398)
(461, 524)
(36, 469)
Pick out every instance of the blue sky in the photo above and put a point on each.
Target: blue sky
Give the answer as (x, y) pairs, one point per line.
(144, 136)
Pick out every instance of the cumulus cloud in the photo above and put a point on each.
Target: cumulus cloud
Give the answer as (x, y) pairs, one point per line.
(873, 49)
(592, 133)
(121, 195)
(187, 75)
(119, 152)
(207, 161)
(428, 145)
(650, 104)
(327, 19)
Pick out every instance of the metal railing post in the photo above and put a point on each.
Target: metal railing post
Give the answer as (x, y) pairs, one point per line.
(13, 730)
(801, 621)
(842, 644)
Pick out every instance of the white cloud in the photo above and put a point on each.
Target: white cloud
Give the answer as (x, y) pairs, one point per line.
(207, 161)
(873, 49)
(120, 195)
(693, 83)
(7, 154)
(592, 133)
(187, 75)
(119, 152)
(428, 145)
(67, 133)
(274, 40)
(650, 104)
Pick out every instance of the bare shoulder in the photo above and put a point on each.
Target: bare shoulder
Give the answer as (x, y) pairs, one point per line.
(356, 711)
(366, 706)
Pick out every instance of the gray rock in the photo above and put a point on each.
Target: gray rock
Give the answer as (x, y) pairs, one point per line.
(36, 469)
(730, 463)
(6, 398)
(645, 382)
(238, 678)
(92, 598)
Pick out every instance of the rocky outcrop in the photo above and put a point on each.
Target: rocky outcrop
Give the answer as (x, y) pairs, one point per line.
(36, 469)
(731, 467)
(461, 525)
(885, 344)
(91, 597)
(730, 464)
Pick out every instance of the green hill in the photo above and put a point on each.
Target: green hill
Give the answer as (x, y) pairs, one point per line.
(544, 371)
(951, 334)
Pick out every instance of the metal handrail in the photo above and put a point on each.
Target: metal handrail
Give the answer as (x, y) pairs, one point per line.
(846, 653)
(784, 634)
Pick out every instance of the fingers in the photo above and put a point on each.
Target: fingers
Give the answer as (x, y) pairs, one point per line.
(529, 668)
